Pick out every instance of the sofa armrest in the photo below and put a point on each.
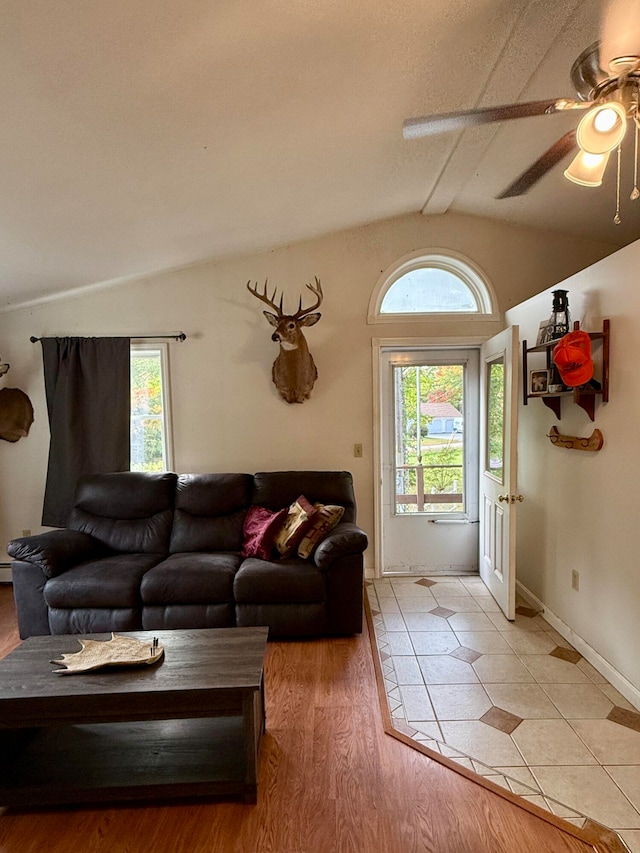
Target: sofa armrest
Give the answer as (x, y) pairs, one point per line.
(345, 539)
(55, 551)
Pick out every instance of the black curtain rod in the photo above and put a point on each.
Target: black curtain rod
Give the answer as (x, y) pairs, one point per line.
(179, 336)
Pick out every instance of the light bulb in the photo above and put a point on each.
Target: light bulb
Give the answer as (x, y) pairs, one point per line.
(592, 161)
(602, 128)
(587, 169)
(605, 120)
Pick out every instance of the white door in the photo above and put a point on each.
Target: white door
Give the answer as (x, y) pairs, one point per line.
(429, 455)
(498, 469)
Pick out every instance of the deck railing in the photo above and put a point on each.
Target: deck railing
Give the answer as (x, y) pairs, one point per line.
(425, 496)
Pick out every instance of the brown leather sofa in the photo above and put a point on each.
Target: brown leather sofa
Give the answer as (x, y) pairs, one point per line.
(156, 551)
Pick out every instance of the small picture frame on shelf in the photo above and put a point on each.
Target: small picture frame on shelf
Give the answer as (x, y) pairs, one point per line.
(539, 381)
(545, 333)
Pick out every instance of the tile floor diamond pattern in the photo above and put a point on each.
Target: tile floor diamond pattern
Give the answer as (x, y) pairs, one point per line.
(512, 701)
(465, 654)
(444, 612)
(501, 720)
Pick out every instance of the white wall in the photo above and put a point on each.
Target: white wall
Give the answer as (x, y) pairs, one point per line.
(226, 412)
(581, 509)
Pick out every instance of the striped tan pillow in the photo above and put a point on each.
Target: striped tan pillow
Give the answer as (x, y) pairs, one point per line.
(325, 519)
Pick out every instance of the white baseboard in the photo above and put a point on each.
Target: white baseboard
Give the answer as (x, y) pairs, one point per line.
(5, 572)
(630, 692)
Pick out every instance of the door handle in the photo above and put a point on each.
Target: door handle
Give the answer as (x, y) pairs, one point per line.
(511, 499)
(502, 498)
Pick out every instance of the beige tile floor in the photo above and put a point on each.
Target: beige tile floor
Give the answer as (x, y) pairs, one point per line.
(512, 701)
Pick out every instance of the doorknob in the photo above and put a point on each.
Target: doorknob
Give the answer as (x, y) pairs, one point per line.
(502, 498)
(511, 498)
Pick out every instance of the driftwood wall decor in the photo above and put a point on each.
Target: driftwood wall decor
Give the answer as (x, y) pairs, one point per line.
(294, 371)
(593, 442)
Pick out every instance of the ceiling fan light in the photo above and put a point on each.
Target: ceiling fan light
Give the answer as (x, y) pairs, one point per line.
(620, 33)
(624, 65)
(603, 128)
(587, 169)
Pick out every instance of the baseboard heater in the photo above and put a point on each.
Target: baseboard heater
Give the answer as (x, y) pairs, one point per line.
(5, 572)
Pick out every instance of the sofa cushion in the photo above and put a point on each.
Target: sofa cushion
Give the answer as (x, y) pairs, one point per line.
(285, 620)
(285, 581)
(129, 512)
(259, 531)
(210, 511)
(110, 582)
(191, 579)
(160, 617)
(93, 620)
(275, 489)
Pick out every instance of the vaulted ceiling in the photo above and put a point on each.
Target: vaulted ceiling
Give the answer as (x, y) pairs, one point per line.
(141, 136)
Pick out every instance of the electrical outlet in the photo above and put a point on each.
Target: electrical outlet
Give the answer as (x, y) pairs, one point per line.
(357, 450)
(26, 531)
(575, 580)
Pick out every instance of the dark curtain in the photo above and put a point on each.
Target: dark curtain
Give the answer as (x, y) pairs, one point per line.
(88, 388)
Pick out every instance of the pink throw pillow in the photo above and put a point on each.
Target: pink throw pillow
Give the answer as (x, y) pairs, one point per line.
(259, 530)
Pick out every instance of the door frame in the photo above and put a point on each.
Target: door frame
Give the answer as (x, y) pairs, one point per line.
(377, 346)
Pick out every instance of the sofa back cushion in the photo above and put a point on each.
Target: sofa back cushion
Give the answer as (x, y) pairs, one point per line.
(278, 489)
(128, 512)
(210, 511)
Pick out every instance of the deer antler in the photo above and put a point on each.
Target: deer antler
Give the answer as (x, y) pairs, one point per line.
(264, 298)
(315, 289)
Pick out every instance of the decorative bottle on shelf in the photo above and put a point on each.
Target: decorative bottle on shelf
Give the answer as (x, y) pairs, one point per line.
(559, 327)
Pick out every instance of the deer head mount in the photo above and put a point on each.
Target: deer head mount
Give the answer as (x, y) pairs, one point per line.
(294, 372)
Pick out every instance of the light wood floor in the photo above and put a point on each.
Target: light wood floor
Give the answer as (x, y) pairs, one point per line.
(331, 781)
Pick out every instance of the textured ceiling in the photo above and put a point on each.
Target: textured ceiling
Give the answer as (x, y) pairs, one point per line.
(141, 136)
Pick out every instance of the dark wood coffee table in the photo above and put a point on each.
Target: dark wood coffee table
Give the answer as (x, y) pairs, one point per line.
(187, 726)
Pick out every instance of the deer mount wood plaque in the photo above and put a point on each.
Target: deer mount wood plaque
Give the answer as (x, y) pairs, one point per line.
(294, 372)
(16, 414)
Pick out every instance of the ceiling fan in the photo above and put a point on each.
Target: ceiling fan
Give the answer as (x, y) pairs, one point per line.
(606, 78)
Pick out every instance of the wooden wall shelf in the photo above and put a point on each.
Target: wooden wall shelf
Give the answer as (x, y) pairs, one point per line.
(585, 397)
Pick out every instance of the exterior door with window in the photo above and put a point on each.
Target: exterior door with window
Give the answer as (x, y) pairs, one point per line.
(498, 468)
(429, 402)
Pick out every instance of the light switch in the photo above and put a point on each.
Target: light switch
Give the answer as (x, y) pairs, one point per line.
(357, 450)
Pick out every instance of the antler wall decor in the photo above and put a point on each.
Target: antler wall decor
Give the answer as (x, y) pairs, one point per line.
(294, 371)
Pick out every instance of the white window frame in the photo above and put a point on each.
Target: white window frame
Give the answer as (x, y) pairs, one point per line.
(140, 345)
(443, 259)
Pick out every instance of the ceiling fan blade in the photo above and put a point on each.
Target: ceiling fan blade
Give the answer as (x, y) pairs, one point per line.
(414, 128)
(544, 164)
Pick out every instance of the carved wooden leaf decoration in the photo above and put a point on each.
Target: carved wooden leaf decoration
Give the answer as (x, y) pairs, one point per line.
(118, 651)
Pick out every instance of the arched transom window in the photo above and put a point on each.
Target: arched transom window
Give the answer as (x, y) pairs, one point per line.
(434, 284)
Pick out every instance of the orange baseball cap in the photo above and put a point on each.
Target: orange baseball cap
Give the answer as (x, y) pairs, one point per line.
(572, 357)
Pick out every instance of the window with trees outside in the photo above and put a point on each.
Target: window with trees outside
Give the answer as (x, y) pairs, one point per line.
(150, 433)
(430, 443)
